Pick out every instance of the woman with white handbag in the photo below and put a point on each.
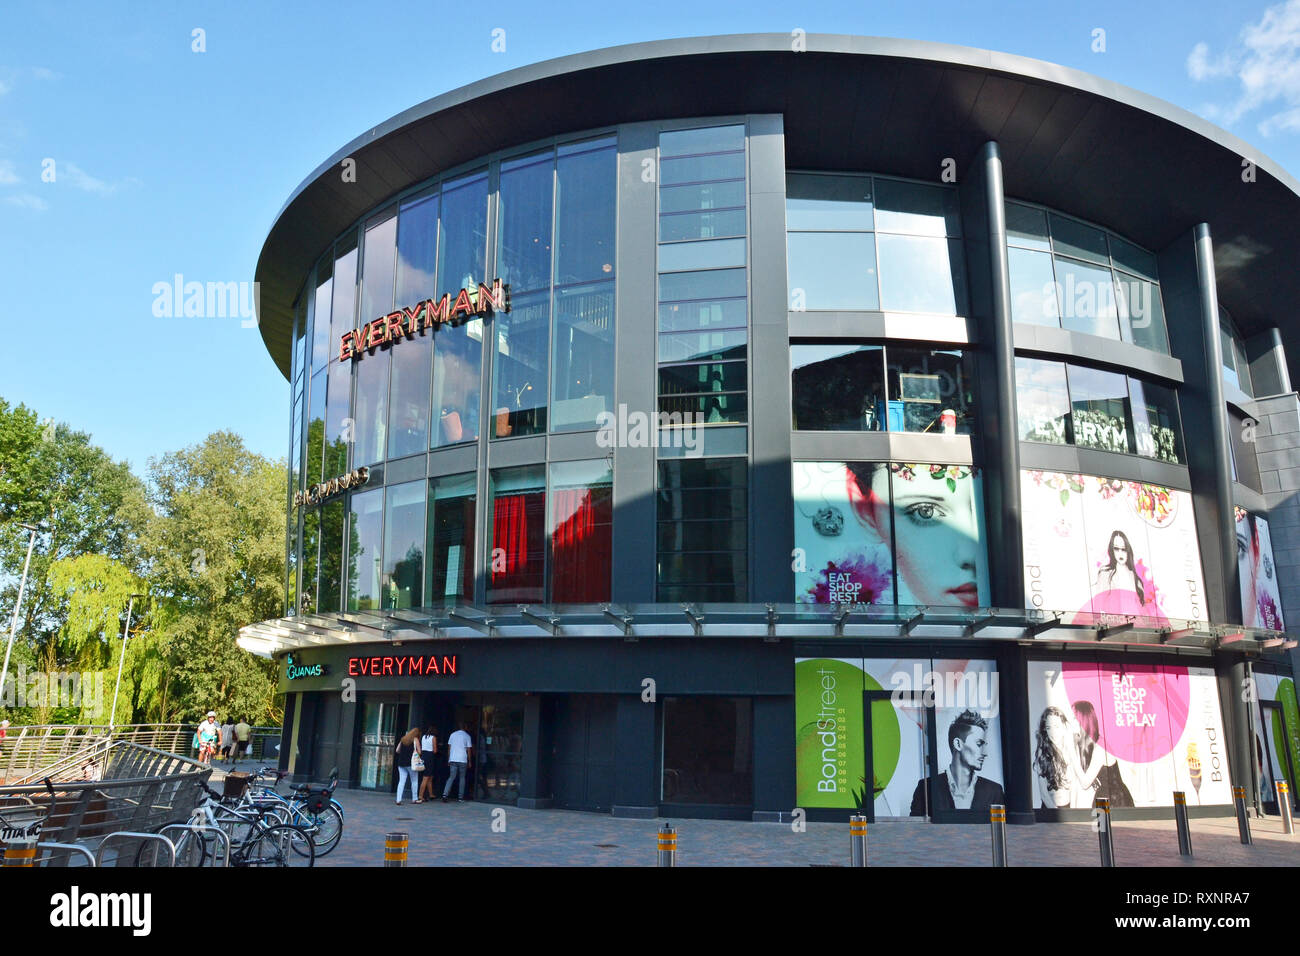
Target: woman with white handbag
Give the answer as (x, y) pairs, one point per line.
(409, 764)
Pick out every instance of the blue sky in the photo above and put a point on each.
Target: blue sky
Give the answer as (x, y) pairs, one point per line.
(172, 161)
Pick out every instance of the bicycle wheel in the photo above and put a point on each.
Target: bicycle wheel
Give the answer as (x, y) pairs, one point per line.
(326, 828)
(280, 845)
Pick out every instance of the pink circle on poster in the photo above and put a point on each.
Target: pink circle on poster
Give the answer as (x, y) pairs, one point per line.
(1142, 710)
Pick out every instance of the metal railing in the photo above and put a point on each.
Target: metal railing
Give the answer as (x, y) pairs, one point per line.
(30, 753)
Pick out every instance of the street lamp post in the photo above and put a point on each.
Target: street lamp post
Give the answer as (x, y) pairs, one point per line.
(112, 714)
(13, 625)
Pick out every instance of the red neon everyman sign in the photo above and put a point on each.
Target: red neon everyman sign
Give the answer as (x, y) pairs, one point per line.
(406, 322)
(404, 665)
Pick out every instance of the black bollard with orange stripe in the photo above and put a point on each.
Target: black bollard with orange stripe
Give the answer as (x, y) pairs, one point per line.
(395, 845)
(1184, 827)
(998, 824)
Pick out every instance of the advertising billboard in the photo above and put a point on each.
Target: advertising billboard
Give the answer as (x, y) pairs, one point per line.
(1261, 601)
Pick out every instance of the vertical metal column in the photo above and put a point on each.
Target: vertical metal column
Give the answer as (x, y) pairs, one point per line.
(998, 824)
(1106, 841)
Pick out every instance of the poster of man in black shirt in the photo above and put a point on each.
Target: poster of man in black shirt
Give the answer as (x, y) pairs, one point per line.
(959, 786)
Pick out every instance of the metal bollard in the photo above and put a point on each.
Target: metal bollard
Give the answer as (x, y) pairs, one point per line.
(667, 845)
(1284, 806)
(1243, 821)
(1184, 827)
(1101, 811)
(395, 844)
(858, 840)
(998, 824)
(21, 850)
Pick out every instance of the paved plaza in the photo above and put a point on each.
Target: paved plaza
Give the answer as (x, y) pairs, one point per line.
(452, 834)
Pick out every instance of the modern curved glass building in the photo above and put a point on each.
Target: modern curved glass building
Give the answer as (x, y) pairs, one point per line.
(726, 426)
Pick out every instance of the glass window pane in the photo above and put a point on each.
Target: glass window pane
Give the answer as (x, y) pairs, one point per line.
(702, 473)
(712, 377)
(417, 251)
(403, 580)
(380, 251)
(458, 350)
(371, 416)
(1072, 238)
(838, 387)
(337, 409)
(463, 233)
(684, 316)
(331, 557)
(832, 270)
(916, 208)
(1243, 364)
(516, 569)
(315, 429)
(520, 370)
(310, 560)
(828, 202)
(299, 340)
(583, 353)
(701, 489)
(1027, 227)
(702, 535)
(408, 413)
(321, 342)
(295, 447)
(719, 407)
(1100, 409)
(842, 524)
(717, 284)
(1156, 427)
(365, 539)
(1087, 298)
(1132, 259)
(586, 195)
(705, 196)
(581, 519)
(938, 547)
(921, 274)
(710, 139)
(701, 225)
(587, 145)
(344, 305)
(1033, 288)
(451, 539)
(695, 169)
(1042, 401)
(716, 769)
(714, 254)
(1229, 357)
(716, 440)
(524, 254)
(698, 346)
(1142, 315)
(930, 390)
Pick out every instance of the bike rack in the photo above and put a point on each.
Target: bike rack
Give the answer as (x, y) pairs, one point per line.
(73, 847)
(202, 828)
(132, 835)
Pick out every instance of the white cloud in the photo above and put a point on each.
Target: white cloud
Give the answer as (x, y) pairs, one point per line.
(27, 201)
(1265, 61)
(7, 175)
(45, 73)
(4, 87)
(78, 178)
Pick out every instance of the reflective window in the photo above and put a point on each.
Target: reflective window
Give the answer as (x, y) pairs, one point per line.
(451, 539)
(520, 369)
(1142, 314)
(299, 340)
(310, 560)
(1132, 259)
(524, 222)
(930, 390)
(412, 361)
(338, 424)
(585, 200)
(692, 346)
(700, 199)
(1243, 451)
(1033, 290)
(344, 304)
(1100, 409)
(714, 254)
(458, 350)
(365, 538)
(828, 203)
(331, 557)
(581, 518)
(838, 387)
(1027, 227)
(417, 250)
(694, 169)
(721, 283)
(517, 558)
(377, 269)
(832, 270)
(916, 208)
(921, 275)
(710, 139)
(1073, 238)
(1087, 297)
(1156, 426)
(403, 574)
(315, 429)
(320, 336)
(295, 447)
(370, 426)
(702, 225)
(689, 316)
(1042, 401)
(702, 530)
(583, 382)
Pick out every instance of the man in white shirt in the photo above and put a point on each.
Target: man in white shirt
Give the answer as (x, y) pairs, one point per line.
(208, 734)
(459, 746)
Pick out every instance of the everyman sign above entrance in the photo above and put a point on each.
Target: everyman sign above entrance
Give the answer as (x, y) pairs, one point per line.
(406, 322)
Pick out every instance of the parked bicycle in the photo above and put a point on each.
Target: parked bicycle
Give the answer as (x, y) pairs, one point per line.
(255, 837)
(311, 807)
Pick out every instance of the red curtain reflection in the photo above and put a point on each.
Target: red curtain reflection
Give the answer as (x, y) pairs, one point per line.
(580, 545)
(517, 531)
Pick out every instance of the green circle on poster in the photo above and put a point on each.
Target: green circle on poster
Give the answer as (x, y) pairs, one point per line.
(886, 738)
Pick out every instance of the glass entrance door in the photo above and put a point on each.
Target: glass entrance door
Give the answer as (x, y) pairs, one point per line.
(500, 745)
(900, 732)
(379, 723)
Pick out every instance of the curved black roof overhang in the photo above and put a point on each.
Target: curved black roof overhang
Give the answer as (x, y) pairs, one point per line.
(1069, 140)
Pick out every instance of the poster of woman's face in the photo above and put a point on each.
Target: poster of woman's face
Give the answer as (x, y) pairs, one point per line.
(1098, 547)
(847, 515)
(1261, 600)
(1131, 733)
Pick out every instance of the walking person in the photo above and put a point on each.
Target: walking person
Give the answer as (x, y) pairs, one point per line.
(428, 750)
(243, 734)
(405, 752)
(208, 733)
(459, 746)
(228, 739)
